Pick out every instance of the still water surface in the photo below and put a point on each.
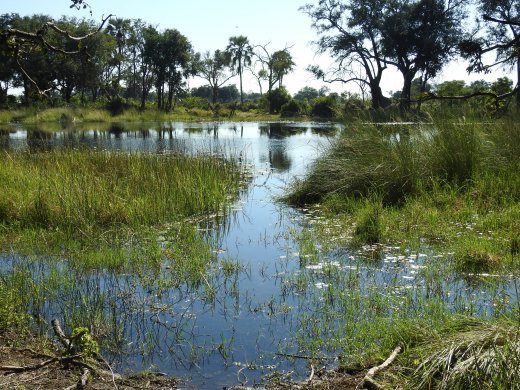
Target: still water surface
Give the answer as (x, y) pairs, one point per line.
(242, 328)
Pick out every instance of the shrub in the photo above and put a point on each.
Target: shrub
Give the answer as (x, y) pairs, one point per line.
(291, 108)
(324, 107)
(277, 98)
(191, 102)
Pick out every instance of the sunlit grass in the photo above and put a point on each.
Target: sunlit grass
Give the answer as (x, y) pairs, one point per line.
(450, 190)
(76, 115)
(80, 189)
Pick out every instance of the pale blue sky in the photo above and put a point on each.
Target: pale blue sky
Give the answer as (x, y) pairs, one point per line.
(208, 24)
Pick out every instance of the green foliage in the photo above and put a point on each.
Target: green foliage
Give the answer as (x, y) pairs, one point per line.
(368, 228)
(191, 102)
(277, 98)
(78, 190)
(85, 343)
(324, 107)
(455, 152)
(240, 53)
(307, 93)
(12, 304)
(292, 108)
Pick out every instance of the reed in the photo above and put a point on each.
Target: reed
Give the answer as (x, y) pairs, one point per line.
(81, 189)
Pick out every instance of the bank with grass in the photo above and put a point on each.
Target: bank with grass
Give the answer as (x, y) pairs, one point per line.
(67, 214)
(451, 189)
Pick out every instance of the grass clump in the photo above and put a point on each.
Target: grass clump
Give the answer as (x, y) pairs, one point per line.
(444, 184)
(82, 190)
(475, 256)
(476, 355)
(368, 228)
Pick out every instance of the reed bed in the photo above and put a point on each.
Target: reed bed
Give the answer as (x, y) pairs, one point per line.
(76, 189)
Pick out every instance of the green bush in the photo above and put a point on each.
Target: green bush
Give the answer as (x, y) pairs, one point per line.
(324, 107)
(277, 98)
(291, 108)
(191, 102)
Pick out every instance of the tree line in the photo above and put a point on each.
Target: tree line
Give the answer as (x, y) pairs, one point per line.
(417, 37)
(132, 59)
(128, 58)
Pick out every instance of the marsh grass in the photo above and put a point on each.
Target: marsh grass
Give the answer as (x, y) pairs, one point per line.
(86, 213)
(95, 114)
(438, 183)
(469, 355)
(451, 188)
(81, 190)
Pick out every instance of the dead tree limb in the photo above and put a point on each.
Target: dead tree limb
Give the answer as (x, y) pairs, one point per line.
(82, 381)
(37, 366)
(368, 381)
(64, 340)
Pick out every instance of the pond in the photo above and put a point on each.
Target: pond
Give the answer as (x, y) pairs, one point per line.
(274, 290)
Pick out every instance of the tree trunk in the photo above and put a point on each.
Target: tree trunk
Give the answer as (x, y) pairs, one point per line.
(404, 103)
(518, 81)
(214, 94)
(240, 76)
(378, 99)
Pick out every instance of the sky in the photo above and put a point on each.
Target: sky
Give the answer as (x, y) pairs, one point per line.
(208, 24)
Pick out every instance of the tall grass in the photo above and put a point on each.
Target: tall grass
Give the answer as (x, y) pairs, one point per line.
(432, 179)
(84, 189)
(34, 115)
(477, 355)
(396, 161)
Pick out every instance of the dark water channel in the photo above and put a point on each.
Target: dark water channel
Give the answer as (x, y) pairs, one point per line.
(239, 326)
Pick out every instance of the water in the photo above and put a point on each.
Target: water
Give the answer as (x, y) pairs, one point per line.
(239, 327)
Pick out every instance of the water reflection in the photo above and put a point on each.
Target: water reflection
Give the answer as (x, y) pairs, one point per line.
(266, 292)
(273, 144)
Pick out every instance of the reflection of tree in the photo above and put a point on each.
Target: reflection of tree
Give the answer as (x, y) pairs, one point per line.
(280, 130)
(4, 139)
(38, 141)
(116, 129)
(278, 158)
(277, 144)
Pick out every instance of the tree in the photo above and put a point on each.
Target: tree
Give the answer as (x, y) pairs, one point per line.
(170, 54)
(19, 42)
(420, 36)
(502, 27)
(351, 33)
(502, 85)
(212, 68)
(274, 66)
(240, 53)
(306, 93)
(277, 98)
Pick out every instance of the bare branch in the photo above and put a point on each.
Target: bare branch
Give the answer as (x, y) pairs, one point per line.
(433, 96)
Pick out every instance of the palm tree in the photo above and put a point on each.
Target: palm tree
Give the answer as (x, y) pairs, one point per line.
(240, 53)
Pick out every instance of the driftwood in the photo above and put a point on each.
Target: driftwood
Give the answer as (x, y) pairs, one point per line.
(37, 366)
(307, 357)
(368, 381)
(72, 356)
